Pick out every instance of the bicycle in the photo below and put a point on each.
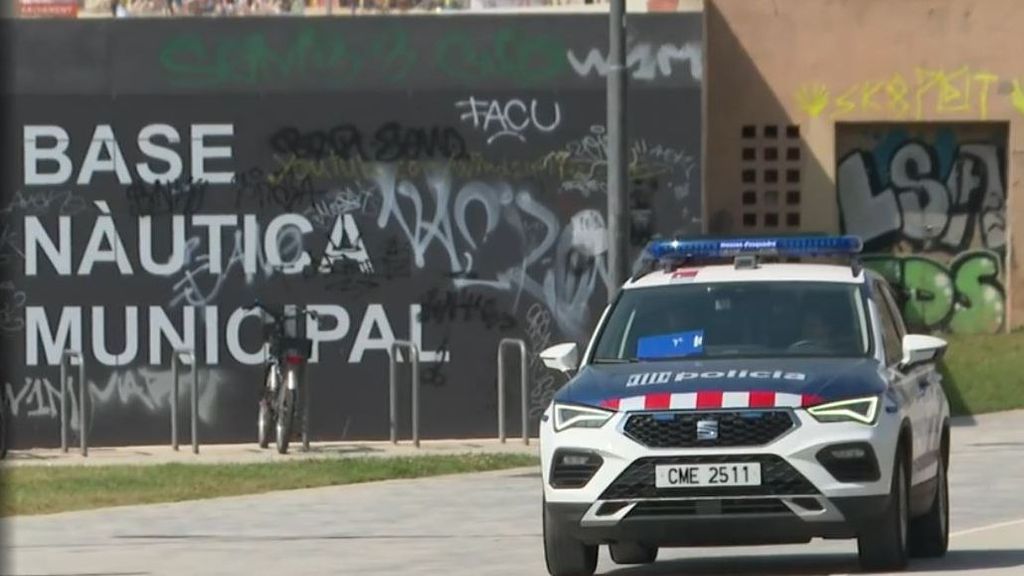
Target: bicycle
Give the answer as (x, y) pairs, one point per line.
(283, 376)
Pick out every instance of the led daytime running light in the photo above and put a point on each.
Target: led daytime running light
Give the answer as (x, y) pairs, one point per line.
(843, 411)
(570, 416)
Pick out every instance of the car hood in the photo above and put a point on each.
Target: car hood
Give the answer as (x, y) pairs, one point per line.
(794, 381)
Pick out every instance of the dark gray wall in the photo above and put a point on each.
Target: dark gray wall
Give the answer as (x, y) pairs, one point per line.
(452, 168)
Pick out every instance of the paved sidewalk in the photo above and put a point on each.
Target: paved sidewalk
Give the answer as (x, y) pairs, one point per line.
(246, 453)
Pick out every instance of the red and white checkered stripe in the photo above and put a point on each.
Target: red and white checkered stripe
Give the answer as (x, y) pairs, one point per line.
(712, 399)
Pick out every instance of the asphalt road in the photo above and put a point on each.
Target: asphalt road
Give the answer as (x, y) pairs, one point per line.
(479, 525)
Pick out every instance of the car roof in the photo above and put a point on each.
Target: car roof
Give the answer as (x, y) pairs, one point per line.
(761, 273)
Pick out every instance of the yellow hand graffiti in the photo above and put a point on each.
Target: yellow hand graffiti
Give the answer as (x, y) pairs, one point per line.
(1018, 97)
(813, 99)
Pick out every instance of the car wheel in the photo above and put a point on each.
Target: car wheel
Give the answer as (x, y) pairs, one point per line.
(565, 555)
(929, 534)
(883, 546)
(632, 553)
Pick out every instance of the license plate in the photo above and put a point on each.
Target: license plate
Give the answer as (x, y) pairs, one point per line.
(705, 475)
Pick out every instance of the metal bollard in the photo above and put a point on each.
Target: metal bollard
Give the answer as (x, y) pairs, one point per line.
(83, 389)
(524, 385)
(414, 353)
(180, 356)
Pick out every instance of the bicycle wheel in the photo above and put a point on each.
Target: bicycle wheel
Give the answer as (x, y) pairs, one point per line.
(285, 417)
(265, 419)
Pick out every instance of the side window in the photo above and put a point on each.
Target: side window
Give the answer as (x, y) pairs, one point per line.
(894, 309)
(891, 340)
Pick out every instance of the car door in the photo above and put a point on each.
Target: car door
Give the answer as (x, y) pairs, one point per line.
(905, 383)
(914, 385)
(930, 402)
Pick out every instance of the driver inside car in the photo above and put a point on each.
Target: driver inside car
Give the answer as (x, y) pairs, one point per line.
(818, 324)
(814, 328)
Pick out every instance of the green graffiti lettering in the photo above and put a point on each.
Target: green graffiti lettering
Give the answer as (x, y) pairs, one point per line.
(249, 59)
(929, 292)
(981, 306)
(186, 58)
(191, 59)
(393, 55)
(512, 56)
(887, 266)
(964, 298)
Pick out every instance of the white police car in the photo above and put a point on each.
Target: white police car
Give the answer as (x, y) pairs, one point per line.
(745, 402)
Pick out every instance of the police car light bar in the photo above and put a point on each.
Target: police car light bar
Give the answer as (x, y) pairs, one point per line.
(791, 246)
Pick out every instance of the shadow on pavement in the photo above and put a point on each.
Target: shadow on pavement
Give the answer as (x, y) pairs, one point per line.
(19, 455)
(156, 538)
(955, 561)
(339, 449)
(802, 565)
(961, 560)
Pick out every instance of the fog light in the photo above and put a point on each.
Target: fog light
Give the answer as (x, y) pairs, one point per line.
(573, 468)
(848, 454)
(853, 462)
(575, 459)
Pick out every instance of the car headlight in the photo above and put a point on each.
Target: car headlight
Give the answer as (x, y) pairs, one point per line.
(570, 416)
(863, 410)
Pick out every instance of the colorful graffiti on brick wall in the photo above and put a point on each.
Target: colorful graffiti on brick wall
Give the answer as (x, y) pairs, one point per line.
(930, 204)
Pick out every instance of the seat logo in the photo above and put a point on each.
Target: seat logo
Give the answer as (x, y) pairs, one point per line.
(707, 430)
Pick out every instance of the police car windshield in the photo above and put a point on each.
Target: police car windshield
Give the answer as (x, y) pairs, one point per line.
(733, 319)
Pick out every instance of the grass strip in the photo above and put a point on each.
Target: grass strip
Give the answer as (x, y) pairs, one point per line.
(984, 373)
(29, 490)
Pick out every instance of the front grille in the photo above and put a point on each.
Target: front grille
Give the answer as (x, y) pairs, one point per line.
(679, 429)
(573, 469)
(722, 507)
(778, 478)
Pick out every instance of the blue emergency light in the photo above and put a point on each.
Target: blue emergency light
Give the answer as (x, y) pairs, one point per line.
(785, 246)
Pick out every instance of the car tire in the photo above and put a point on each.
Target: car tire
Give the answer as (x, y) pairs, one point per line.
(929, 534)
(883, 545)
(565, 555)
(632, 553)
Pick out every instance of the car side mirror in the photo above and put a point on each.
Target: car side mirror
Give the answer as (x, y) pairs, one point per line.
(562, 357)
(921, 348)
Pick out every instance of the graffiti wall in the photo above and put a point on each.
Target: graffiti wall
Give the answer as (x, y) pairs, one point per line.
(930, 202)
(434, 180)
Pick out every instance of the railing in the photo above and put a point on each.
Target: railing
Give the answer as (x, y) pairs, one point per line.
(524, 386)
(83, 394)
(414, 354)
(185, 356)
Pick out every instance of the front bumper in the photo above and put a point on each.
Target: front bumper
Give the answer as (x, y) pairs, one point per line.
(849, 516)
(800, 498)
